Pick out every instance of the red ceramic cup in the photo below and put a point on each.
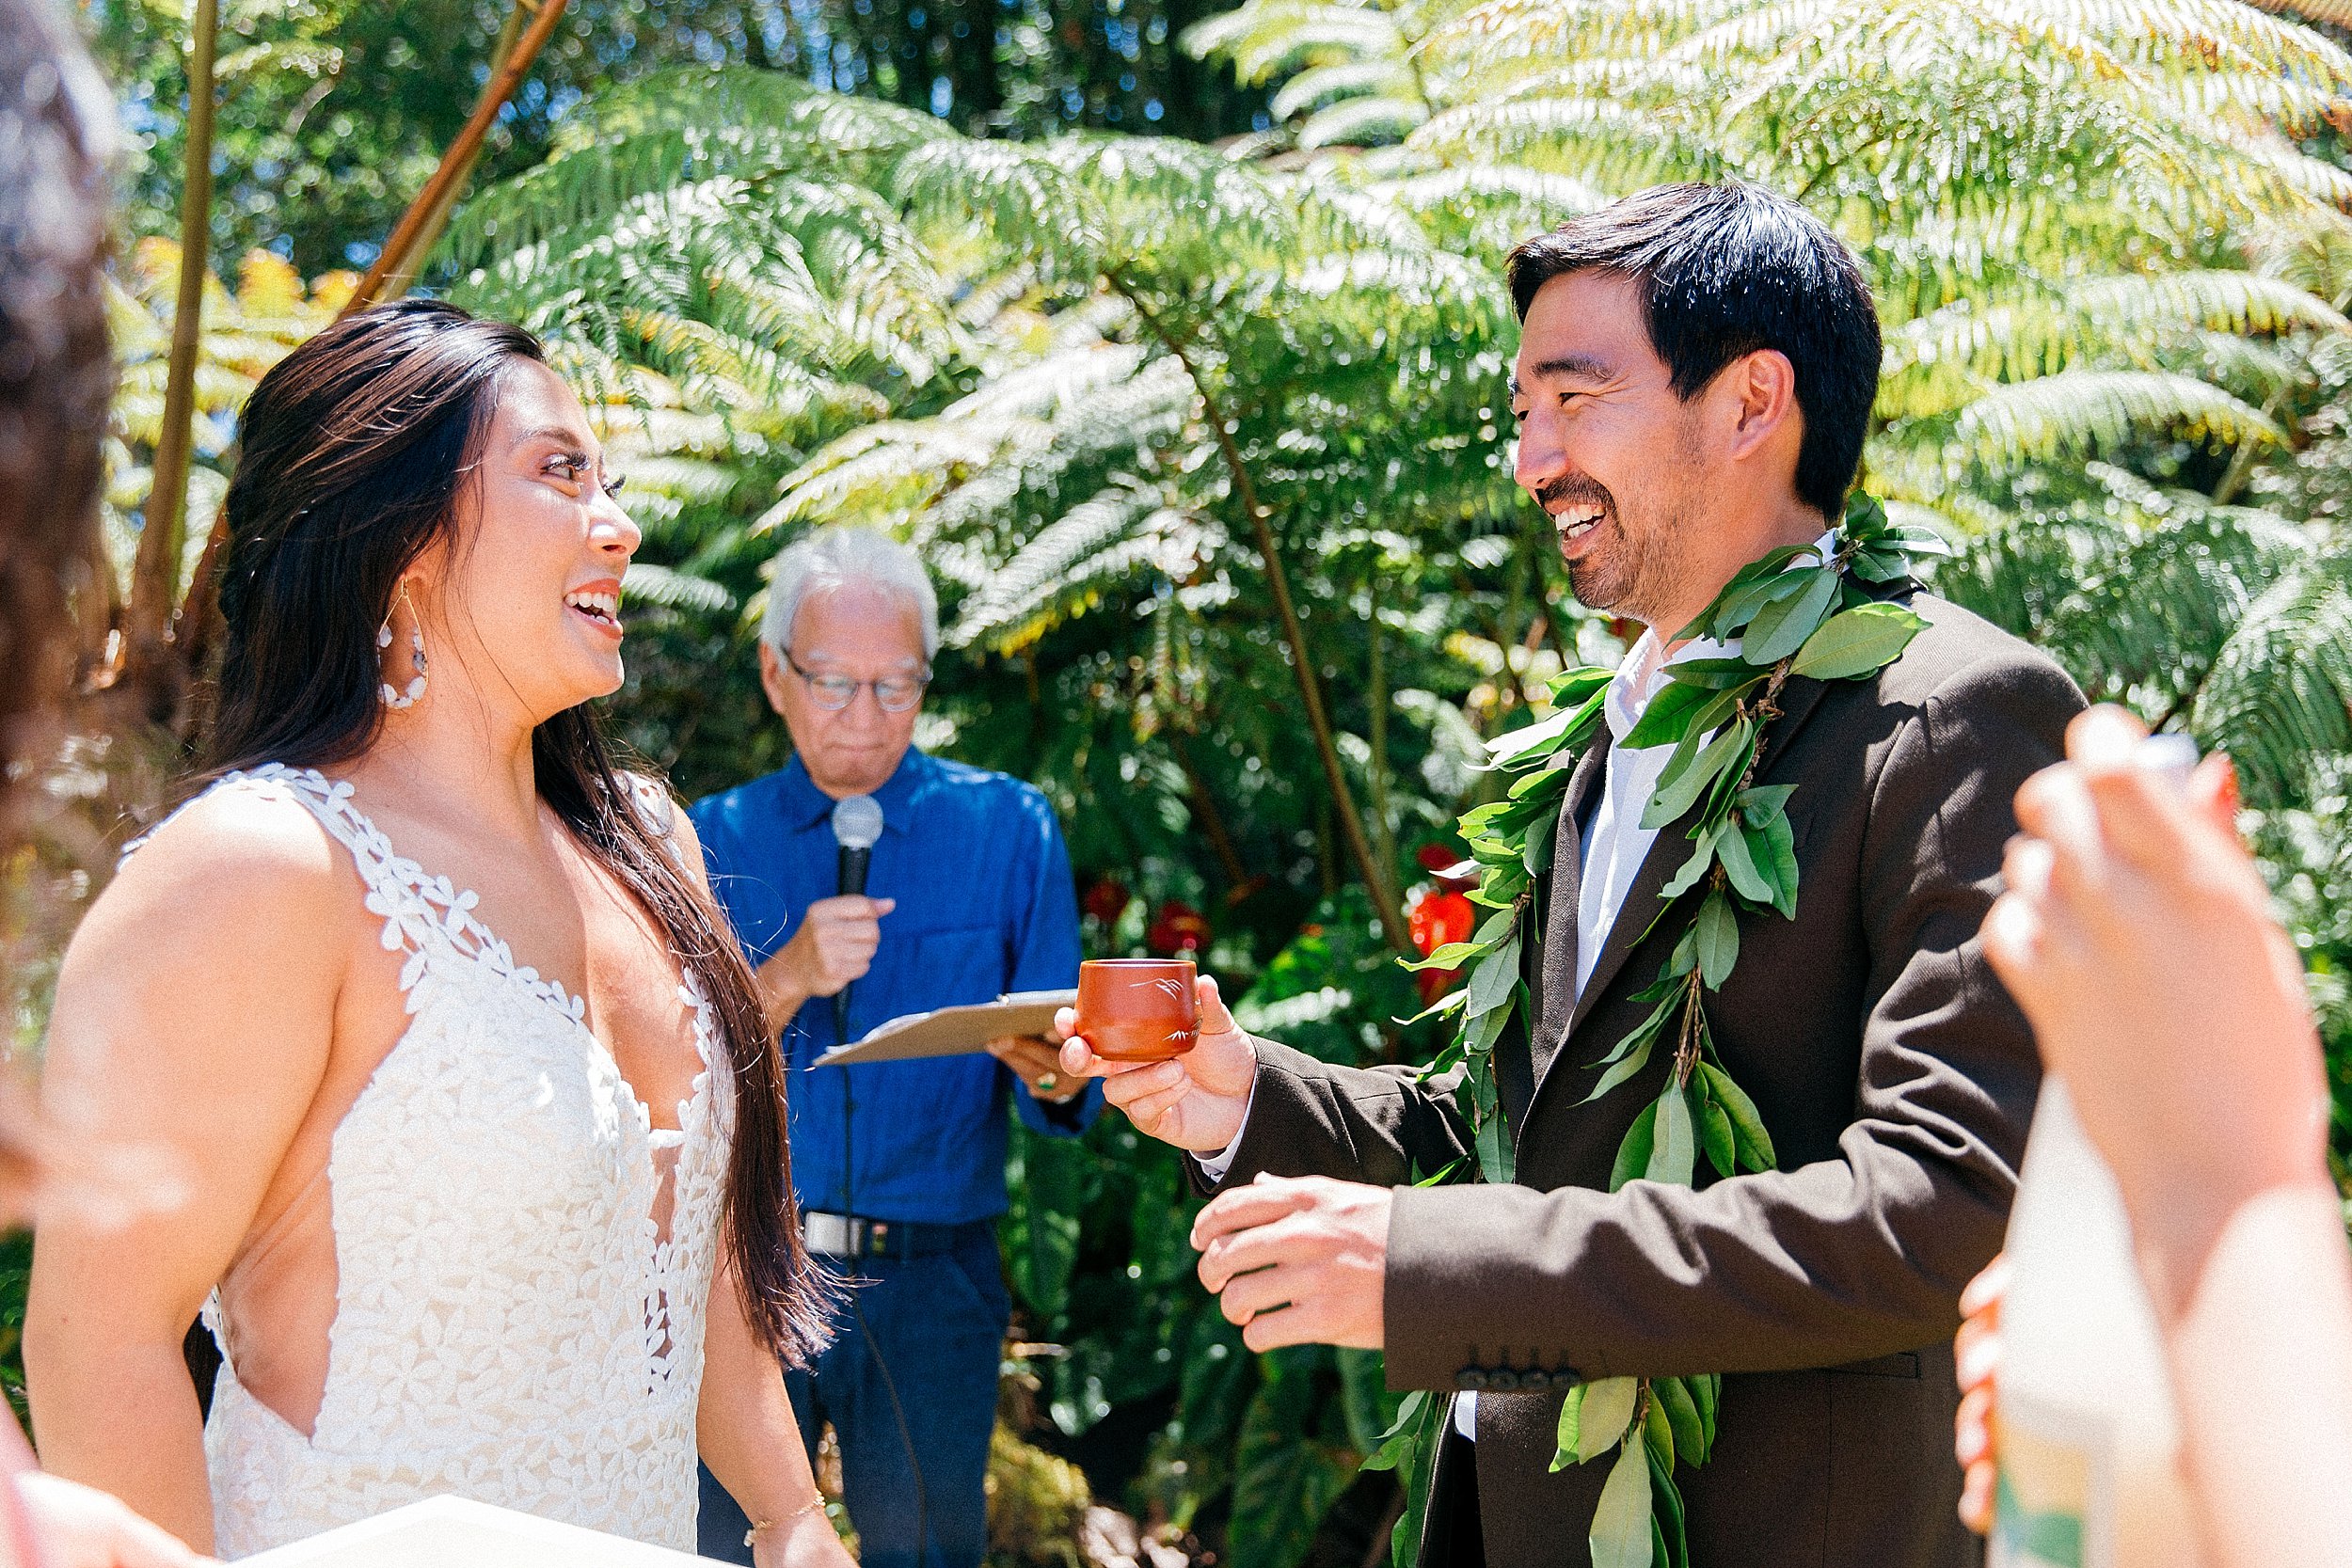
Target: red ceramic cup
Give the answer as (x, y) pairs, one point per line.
(1137, 1009)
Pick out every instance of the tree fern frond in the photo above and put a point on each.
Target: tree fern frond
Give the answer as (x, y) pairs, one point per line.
(1070, 562)
(663, 585)
(2237, 302)
(864, 476)
(1177, 206)
(2078, 412)
(2312, 251)
(1541, 131)
(1336, 218)
(2209, 34)
(1481, 210)
(1024, 202)
(1363, 121)
(1317, 86)
(1525, 189)
(2282, 690)
(1285, 35)
(1939, 362)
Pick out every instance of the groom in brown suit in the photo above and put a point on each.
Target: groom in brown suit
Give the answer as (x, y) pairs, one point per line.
(1693, 389)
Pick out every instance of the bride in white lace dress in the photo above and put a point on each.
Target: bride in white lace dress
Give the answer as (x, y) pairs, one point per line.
(480, 1126)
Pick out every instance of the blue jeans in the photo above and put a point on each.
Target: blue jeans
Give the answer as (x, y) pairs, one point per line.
(939, 1323)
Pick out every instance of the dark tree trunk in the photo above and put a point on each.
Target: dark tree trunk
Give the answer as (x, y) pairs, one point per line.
(972, 54)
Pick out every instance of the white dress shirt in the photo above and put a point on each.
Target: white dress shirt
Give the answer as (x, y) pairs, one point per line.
(1612, 852)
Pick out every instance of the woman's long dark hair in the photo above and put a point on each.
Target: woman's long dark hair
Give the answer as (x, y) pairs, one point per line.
(357, 448)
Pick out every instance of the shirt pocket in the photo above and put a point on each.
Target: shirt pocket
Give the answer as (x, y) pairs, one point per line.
(956, 964)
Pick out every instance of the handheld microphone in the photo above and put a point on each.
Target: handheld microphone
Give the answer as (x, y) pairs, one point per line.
(857, 823)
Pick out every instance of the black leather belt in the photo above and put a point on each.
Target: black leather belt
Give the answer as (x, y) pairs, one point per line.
(848, 1236)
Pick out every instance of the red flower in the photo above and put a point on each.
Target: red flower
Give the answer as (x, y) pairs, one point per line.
(1105, 898)
(1177, 929)
(1435, 919)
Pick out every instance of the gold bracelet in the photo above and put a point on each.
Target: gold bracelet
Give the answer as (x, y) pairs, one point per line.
(750, 1536)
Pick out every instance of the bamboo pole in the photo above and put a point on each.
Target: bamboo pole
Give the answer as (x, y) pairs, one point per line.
(403, 277)
(457, 158)
(156, 568)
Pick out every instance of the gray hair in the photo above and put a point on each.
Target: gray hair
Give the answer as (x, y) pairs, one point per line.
(836, 556)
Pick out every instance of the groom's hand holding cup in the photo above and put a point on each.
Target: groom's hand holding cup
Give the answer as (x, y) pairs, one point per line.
(1292, 1261)
(1168, 1053)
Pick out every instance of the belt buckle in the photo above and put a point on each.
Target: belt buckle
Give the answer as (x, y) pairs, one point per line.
(832, 1235)
(875, 1242)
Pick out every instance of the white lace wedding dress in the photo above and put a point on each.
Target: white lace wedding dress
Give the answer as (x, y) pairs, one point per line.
(510, 1323)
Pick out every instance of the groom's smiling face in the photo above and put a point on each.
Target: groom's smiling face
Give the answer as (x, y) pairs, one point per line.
(1605, 446)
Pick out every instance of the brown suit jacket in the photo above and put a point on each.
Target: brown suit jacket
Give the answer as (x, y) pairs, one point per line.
(1895, 1075)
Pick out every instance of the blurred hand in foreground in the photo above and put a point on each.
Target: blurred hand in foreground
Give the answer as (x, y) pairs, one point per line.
(1196, 1101)
(2135, 932)
(1299, 1259)
(80, 1527)
(1976, 1352)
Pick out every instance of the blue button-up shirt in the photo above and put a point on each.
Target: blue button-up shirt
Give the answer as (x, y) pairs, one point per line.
(985, 906)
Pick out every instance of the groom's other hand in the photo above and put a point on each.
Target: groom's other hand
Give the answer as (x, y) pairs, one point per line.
(1298, 1260)
(1196, 1101)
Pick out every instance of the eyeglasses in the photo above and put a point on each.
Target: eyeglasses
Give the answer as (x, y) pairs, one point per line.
(895, 694)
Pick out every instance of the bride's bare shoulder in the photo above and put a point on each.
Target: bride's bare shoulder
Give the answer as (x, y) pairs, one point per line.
(249, 861)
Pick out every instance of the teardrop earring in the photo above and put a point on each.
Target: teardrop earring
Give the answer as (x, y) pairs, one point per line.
(386, 693)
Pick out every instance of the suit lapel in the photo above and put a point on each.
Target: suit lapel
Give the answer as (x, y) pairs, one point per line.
(1554, 970)
(1672, 846)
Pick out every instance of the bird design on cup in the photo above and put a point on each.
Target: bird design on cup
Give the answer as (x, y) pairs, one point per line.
(1137, 1009)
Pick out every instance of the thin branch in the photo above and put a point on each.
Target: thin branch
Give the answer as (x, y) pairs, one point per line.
(1376, 775)
(2241, 466)
(156, 569)
(1384, 899)
(1211, 821)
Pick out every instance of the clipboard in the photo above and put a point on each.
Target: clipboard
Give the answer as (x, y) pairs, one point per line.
(952, 1031)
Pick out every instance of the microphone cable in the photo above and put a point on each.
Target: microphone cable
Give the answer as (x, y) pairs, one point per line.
(857, 1309)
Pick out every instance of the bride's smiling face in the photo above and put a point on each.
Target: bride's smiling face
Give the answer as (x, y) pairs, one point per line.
(527, 607)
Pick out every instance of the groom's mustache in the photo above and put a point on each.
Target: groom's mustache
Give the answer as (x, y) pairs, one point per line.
(1554, 493)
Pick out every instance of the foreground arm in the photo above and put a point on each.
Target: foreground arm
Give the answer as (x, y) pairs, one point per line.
(748, 1437)
(192, 1022)
(80, 1527)
(2137, 936)
(1291, 1114)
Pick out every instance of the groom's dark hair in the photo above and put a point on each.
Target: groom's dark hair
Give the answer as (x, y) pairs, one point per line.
(1726, 270)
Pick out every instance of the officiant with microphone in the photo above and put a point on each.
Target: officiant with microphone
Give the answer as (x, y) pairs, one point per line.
(867, 880)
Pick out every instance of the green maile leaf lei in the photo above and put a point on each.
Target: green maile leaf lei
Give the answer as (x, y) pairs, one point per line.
(1794, 614)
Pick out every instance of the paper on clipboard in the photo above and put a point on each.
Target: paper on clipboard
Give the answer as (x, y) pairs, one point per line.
(952, 1031)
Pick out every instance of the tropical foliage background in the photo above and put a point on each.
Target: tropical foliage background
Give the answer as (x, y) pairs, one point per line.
(1176, 341)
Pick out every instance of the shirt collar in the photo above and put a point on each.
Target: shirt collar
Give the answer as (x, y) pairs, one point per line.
(1644, 672)
(802, 805)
